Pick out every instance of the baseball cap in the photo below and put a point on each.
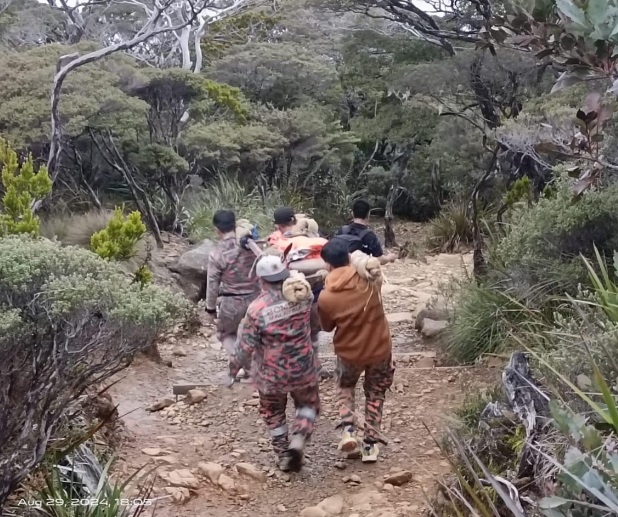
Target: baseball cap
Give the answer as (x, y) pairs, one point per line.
(271, 269)
(284, 215)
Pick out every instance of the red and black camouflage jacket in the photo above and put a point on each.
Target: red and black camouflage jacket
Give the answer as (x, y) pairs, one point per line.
(276, 335)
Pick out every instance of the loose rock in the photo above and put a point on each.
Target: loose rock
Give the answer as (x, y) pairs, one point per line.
(158, 406)
(432, 328)
(332, 505)
(212, 471)
(227, 483)
(251, 471)
(179, 494)
(313, 511)
(399, 478)
(152, 451)
(195, 396)
(181, 478)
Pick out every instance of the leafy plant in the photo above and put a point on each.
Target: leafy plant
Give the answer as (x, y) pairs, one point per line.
(118, 240)
(577, 36)
(22, 186)
(68, 319)
(62, 487)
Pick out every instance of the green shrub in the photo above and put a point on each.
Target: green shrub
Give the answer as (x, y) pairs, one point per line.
(256, 206)
(69, 319)
(118, 240)
(543, 243)
(22, 187)
(75, 229)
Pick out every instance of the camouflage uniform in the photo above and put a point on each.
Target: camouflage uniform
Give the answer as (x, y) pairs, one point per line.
(231, 286)
(277, 334)
(378, 379)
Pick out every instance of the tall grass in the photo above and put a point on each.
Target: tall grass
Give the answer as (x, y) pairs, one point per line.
(75, 229)
(451, 229)
(254, 204)
(484, 317)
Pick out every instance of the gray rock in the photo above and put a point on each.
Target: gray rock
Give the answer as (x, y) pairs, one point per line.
(192, 267)
(436, 314)
(432, 328)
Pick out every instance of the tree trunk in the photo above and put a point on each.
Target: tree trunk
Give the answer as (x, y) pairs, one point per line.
(112, 156)
(398, 169)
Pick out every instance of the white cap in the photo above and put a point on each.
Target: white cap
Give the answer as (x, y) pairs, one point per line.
(271, 269)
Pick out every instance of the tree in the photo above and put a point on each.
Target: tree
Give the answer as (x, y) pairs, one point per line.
(22, 186)
(163, 16)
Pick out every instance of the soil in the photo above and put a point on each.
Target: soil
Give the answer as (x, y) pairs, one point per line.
(225, 428)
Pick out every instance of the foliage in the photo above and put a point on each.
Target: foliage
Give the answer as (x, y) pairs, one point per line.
(22, 187)
(521, 190)
(255, 205)
(451, 228)
(107, 501)
(543, 243)
(578, 37)
(118, 240)
(485, 316)
(69, 319)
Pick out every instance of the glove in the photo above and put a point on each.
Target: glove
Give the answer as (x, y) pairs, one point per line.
(244, 240)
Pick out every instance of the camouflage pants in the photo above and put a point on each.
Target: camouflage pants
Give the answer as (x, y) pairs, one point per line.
(378, 379)
(230, 312)
(272, 411)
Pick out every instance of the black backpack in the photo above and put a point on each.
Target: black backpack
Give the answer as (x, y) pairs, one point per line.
(354, 237)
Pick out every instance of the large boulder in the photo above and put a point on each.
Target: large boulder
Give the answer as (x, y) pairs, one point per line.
(192, 268)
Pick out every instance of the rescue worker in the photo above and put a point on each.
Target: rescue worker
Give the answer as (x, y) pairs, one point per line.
(352, 307)
(277, 334)
(231, 283)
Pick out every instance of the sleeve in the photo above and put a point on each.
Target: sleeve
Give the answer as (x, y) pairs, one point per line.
(373, 245)
(248, 339)
(213, 280)
(326, 322)
(314, 322)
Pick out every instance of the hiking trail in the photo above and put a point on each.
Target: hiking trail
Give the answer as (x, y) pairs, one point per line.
(197, 447)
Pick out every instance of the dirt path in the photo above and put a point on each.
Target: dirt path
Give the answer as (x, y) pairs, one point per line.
(225, 429)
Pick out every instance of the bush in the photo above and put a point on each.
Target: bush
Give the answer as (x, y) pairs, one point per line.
(118, 240)
(451, 228)
(544, 242)
(68, 319)
(75, 229)
(22, 186)
(256, 206)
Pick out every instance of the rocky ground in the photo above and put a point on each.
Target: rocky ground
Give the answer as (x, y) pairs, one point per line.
(212, 451)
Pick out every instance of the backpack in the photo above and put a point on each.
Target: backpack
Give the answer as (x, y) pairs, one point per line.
(354, 237)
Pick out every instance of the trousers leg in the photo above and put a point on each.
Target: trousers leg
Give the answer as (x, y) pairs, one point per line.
(378, 379)
(272, 410)
(307, 404)
(347, 376)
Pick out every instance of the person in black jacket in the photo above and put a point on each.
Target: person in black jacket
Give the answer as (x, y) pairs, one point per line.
(360, 236)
